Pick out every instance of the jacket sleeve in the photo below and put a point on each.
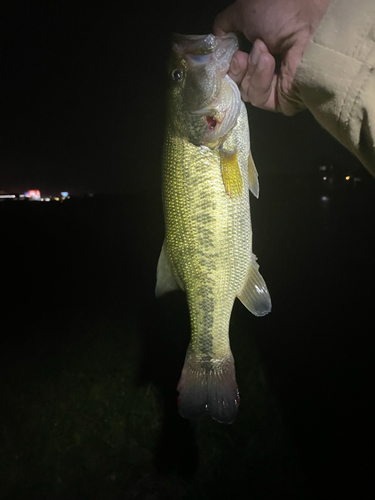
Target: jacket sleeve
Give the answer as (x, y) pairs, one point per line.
(336, 77)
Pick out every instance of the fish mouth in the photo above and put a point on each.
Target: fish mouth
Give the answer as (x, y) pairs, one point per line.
(214, 121)
(212, 117)
(196, 46)
(211, 122)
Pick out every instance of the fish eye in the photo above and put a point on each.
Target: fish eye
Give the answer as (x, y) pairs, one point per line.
(177, 75)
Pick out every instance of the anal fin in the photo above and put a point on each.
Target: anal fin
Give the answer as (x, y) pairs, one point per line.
(254, 294)
(165, 280)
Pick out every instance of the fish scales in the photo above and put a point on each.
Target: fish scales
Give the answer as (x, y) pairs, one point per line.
(207, 228)
(207, 247)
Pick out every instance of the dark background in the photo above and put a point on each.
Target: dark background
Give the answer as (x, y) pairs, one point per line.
(82, 94)
(89, 359)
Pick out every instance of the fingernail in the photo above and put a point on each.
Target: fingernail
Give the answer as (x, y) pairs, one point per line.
(234, 66)
(254, 55)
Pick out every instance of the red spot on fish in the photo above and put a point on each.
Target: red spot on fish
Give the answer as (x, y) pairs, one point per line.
(211, 122)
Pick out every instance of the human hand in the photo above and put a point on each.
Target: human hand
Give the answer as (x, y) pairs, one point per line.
(275, 27)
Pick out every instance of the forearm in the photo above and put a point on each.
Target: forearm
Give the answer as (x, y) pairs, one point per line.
(336, 77)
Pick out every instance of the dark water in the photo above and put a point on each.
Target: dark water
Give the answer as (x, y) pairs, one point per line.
(316, 252)
(317, 257)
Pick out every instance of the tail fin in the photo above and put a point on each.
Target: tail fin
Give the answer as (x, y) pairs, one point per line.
(208, 386)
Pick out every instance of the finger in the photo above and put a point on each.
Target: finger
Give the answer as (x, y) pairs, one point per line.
(228, 20)
(238, 66)
(259, 83)
(258, 49)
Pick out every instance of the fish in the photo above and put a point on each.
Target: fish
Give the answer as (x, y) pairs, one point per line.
(208, 170)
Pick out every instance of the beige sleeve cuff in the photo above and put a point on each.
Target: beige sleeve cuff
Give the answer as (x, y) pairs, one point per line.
(336, 78)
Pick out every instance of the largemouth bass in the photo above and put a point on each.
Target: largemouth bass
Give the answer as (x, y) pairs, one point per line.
(207, 251)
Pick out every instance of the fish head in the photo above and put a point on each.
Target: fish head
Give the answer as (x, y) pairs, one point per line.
(204, 102)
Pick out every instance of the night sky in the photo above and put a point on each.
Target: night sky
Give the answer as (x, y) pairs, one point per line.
(82, 94)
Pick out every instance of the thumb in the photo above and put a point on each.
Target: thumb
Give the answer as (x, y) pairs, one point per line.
(227, 21)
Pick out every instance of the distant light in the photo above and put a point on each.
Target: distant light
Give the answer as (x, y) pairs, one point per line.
(324, 178)
(47, 199)
(7, 196)
(324, 198)
(64, 194)
(33, 194)
(347, 177)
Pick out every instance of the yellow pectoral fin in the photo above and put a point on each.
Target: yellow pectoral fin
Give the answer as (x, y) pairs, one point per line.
(231, 173)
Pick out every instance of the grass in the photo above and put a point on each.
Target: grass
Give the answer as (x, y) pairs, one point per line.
(77, 424)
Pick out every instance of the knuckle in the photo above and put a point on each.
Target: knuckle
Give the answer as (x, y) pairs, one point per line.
(252, 93)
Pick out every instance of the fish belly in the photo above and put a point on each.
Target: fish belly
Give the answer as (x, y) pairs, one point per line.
(208, 244)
